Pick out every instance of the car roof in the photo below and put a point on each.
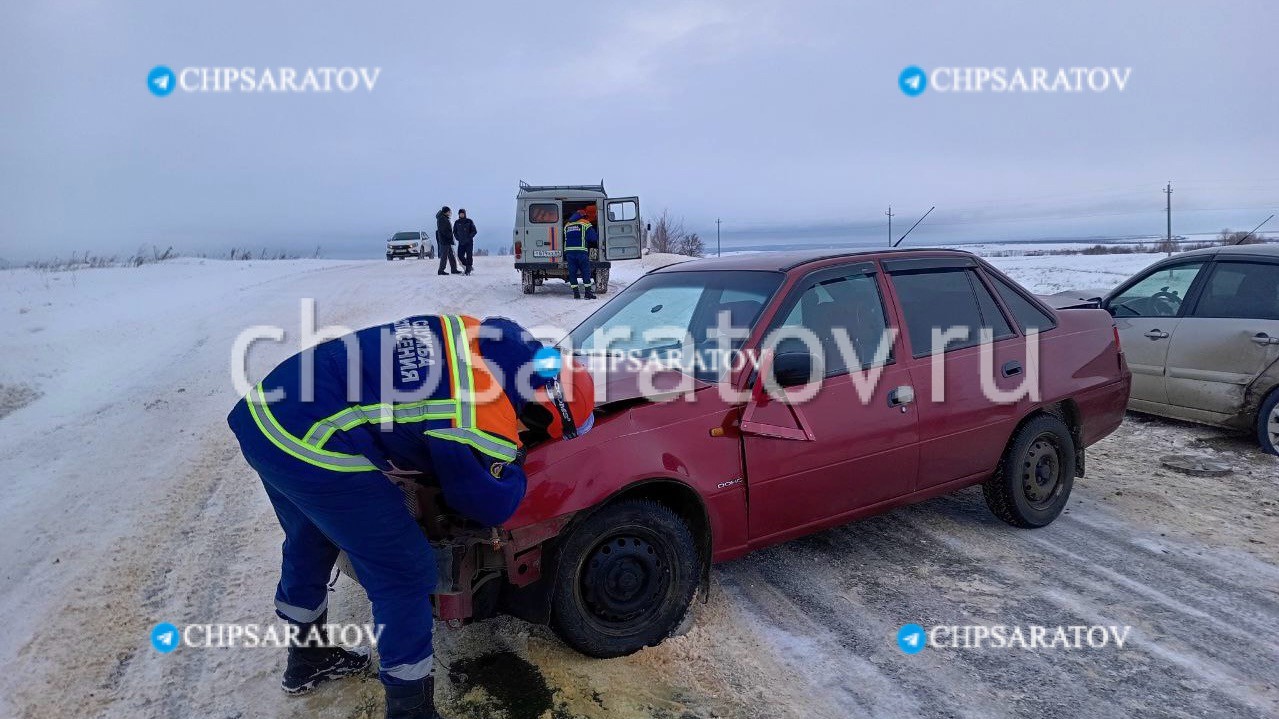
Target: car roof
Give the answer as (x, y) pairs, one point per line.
(1266, 250)
(787, 260)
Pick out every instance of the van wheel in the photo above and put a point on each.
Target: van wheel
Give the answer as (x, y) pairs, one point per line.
(528, 282)
(601, 282)
(627, 576)
(1268, 423)
(1033, 482)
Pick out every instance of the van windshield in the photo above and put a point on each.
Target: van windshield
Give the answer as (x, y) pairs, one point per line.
(664, 316)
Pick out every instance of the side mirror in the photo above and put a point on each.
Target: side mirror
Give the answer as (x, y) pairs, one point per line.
(794, 369)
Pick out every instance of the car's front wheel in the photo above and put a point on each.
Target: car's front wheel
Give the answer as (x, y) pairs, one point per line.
(1033, 482)
(1268, 423)
(627, 575)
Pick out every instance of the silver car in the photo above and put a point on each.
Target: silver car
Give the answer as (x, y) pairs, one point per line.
(1200, 331)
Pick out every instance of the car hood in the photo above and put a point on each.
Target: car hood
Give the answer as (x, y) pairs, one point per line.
(1074, 299)
(555, 469)
(627, 385)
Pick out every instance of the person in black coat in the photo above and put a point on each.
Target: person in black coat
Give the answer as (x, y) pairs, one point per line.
(444, 239)
(464, 233)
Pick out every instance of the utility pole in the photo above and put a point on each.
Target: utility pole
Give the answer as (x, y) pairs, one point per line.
(718, 251)
(890, 225)
(1168, 235)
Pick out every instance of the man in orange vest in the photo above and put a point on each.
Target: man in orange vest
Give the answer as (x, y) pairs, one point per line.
(331, 431)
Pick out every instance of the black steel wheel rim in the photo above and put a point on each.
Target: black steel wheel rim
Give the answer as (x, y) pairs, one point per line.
(1041, 479)
(624, 578)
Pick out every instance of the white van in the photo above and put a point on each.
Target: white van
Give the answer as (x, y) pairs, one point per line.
(540, 214)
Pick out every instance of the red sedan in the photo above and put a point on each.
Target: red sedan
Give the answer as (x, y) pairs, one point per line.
(855, 383)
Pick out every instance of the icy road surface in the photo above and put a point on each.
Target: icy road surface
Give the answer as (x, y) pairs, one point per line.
(124, 503)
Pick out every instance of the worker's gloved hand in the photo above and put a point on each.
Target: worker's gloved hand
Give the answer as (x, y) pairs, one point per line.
(475, 485)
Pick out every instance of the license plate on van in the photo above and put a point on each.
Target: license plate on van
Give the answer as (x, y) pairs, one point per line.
(546, 253)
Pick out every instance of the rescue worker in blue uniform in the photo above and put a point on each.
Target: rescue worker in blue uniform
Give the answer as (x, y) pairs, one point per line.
(332, 430)
(580, 237)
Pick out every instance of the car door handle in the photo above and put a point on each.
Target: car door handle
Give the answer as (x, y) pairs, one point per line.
(1264, 339)
(1011, 369)
(1157, 335)
(901, 396)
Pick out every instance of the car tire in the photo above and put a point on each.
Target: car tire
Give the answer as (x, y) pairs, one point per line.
(627, 576)
(528, 282)
(601, 282)
(1268, 423)
(1035, 476)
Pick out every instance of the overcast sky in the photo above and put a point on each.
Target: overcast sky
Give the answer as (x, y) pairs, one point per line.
(785, 119)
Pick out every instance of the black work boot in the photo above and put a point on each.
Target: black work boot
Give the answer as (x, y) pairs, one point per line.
(589, 295)
(412, 701)
(311, 663)
(576, 294)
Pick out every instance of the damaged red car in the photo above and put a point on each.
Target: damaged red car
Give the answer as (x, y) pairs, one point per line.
(703, 462)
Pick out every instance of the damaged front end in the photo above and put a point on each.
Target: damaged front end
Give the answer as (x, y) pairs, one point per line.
(484, 571)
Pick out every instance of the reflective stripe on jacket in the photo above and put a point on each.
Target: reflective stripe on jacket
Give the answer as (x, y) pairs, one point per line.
(428, 366)
(577, 235)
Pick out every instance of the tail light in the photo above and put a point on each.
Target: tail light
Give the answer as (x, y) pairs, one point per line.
(519, 251)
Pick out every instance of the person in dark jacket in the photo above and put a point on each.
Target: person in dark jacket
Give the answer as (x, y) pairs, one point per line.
(580, 237)
(464, 233)
(444, 238)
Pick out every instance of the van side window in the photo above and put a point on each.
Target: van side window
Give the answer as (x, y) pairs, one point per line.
(947, 299)
(543, 213)
(1241, 290)
(622, 211)
(1027, 314)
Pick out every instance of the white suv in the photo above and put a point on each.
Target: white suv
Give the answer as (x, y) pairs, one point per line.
(414, 243)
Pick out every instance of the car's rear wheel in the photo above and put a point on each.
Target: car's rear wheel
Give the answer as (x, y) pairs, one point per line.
(601, 281)
(528, 281)
(626, 578)
(1035, 476)
(1268, 423)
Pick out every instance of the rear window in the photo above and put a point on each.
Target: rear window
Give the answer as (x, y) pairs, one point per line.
(544, 213)
(1027, 313)
(945, 300)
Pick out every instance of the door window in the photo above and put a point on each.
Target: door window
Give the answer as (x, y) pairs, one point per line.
(848, 306)
(543, 213)
(622, 211)
(1158, 294)
(947, 300)
(1242, 290)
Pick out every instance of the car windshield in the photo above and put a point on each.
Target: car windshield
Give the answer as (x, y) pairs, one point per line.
(663, 315)
(405, 236)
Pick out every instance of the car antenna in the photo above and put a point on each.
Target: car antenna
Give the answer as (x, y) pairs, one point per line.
(1258, 227)
(899, 239)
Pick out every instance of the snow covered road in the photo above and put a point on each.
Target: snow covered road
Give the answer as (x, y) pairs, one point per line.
(125, 503)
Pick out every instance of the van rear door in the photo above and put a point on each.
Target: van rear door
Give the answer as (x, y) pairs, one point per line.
(621, 228)
(543, 227)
